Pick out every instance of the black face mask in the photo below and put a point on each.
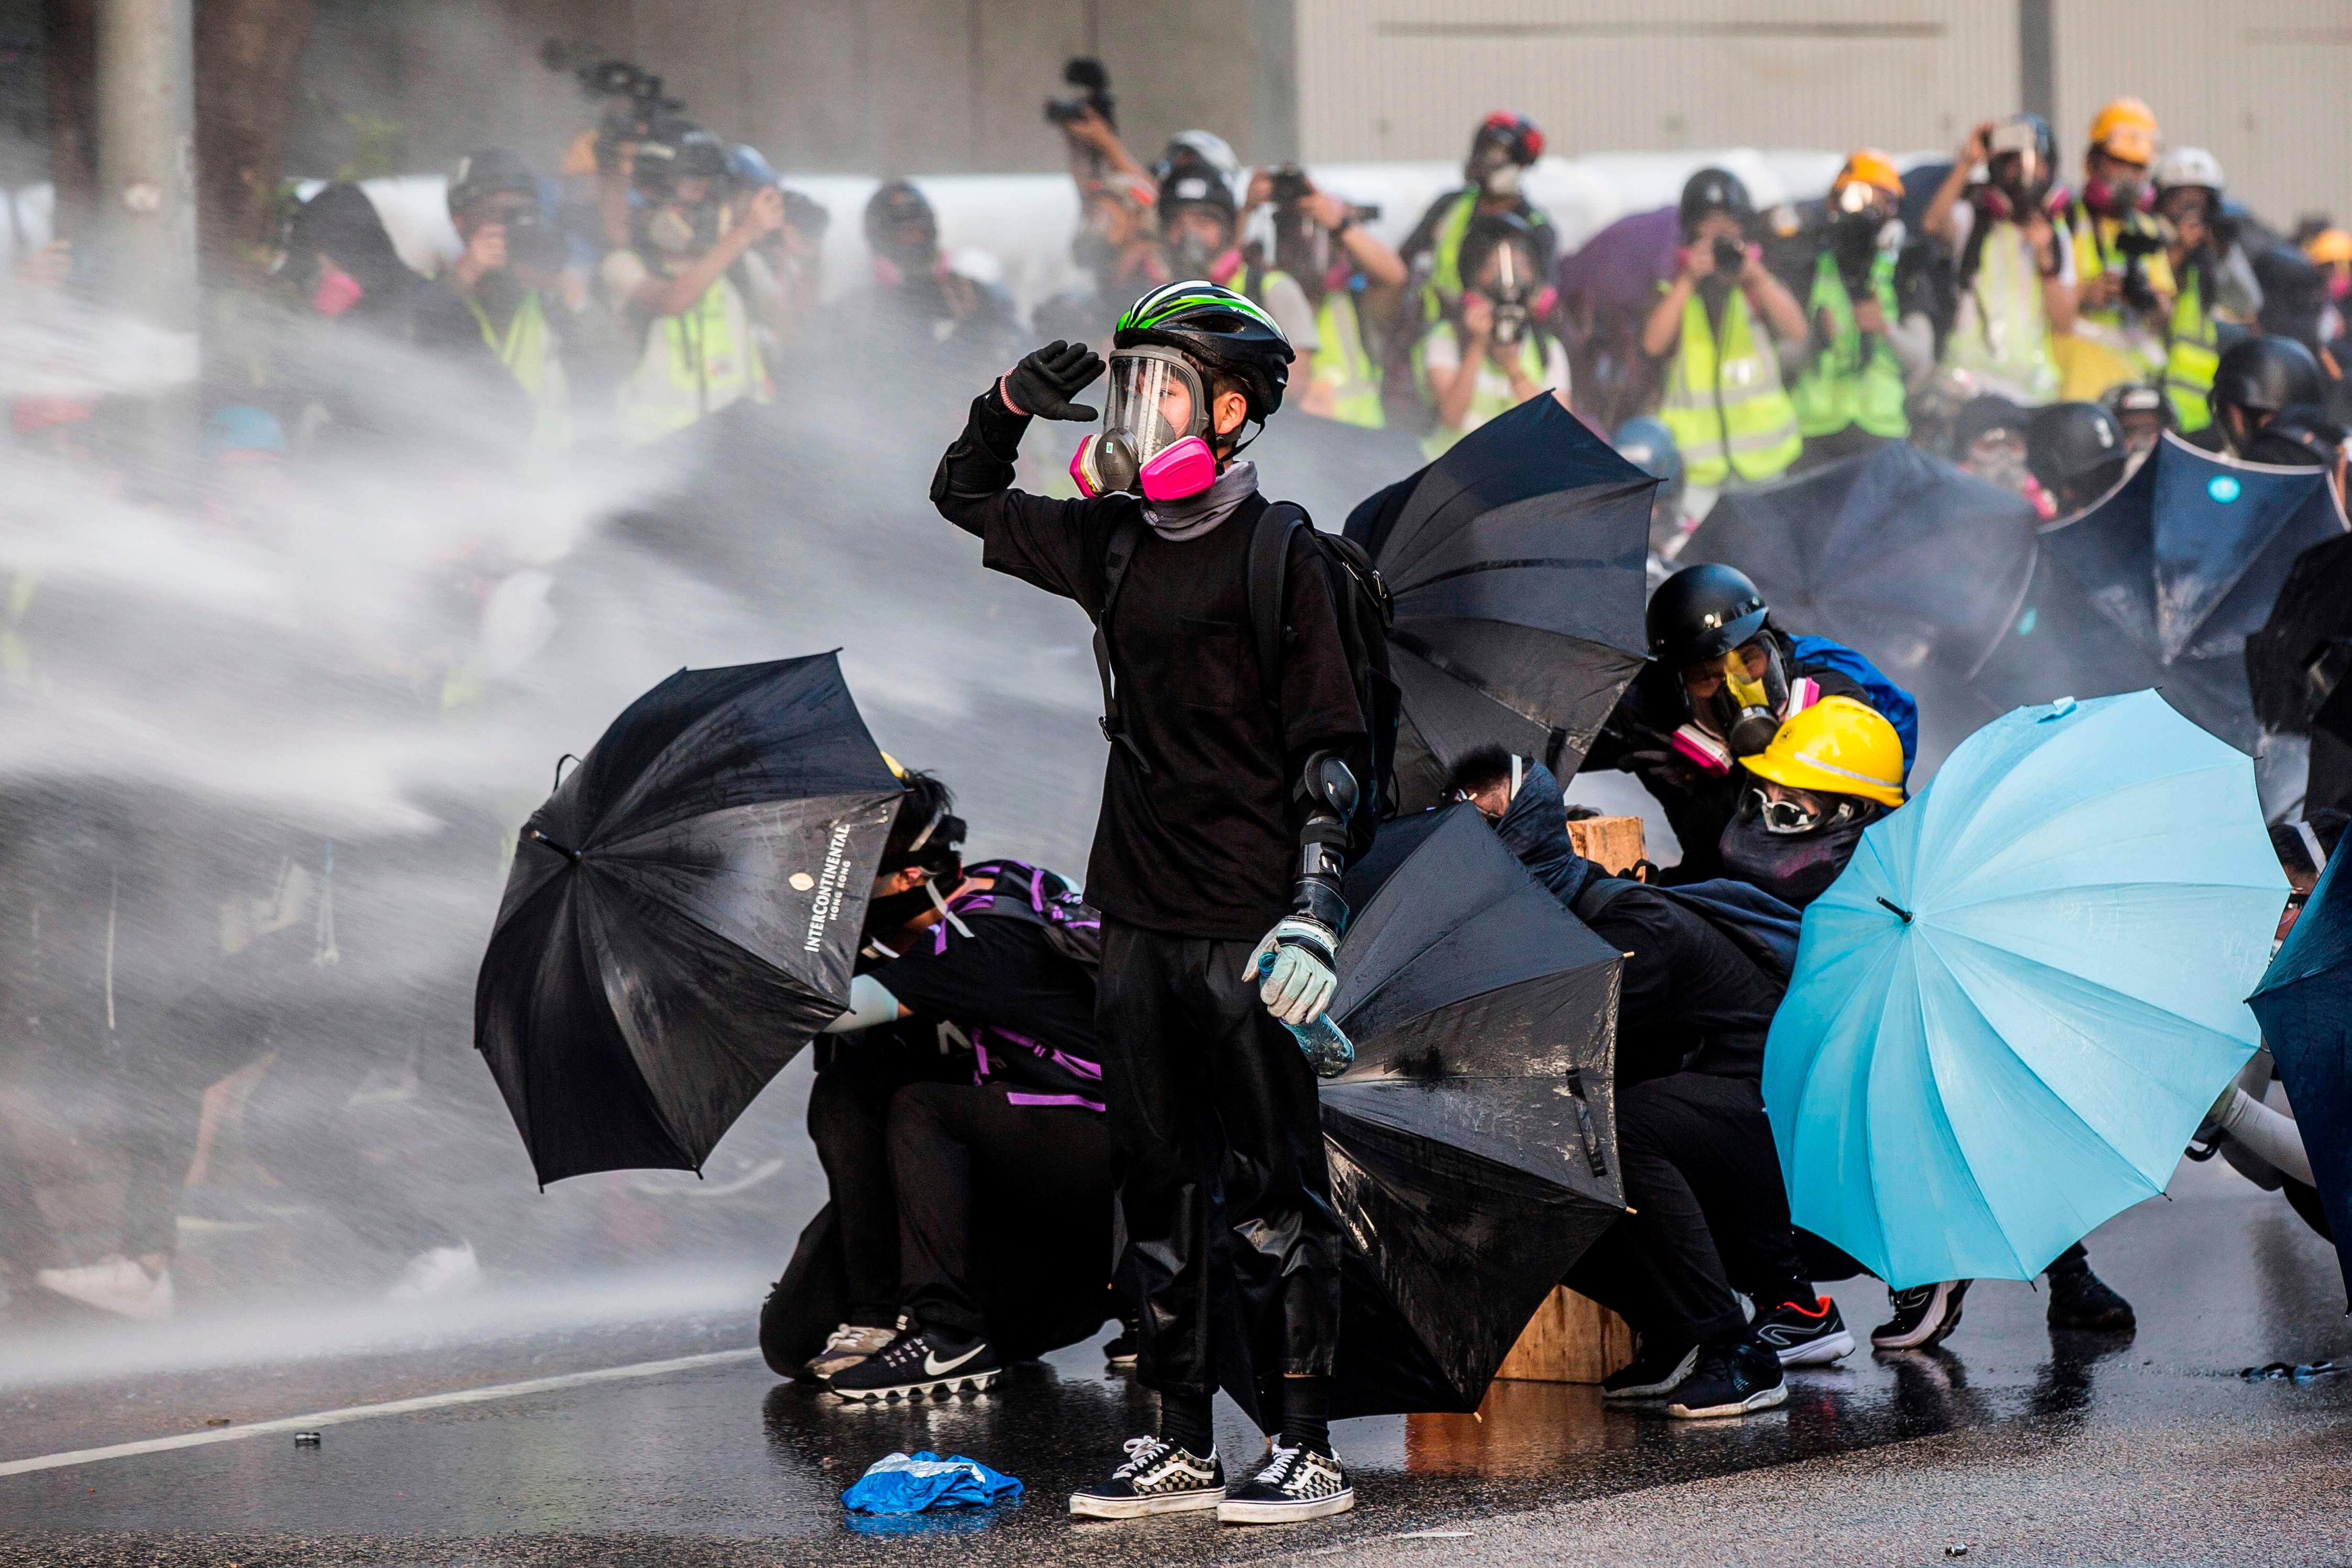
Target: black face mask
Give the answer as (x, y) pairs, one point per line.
(1795, 869)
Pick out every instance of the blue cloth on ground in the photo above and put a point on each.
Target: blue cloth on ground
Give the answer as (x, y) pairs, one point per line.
(910, 1483)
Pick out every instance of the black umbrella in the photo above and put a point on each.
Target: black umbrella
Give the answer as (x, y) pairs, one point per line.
(1517, 561)
(2187, 557)
(1899, 555)
(682, 915)
(2297, 664)
(1472, 1146)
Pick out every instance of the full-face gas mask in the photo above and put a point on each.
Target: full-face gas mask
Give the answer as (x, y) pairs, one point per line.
(1860, 230)
(1138, 450)
(1743, 709)
(685, 228)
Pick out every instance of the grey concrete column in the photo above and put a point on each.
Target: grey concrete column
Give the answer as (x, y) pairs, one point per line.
(2037, 58)
(146, 207)
(1274, 82)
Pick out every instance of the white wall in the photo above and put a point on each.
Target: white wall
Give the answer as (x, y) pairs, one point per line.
(1409, 78)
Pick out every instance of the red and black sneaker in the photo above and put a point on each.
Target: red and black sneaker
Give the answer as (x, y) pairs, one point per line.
(1805, 1333)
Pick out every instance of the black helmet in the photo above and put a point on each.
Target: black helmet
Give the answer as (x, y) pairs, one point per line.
(1713, 191)
(679, 150)
(2140, 398)
(2076, 450)
(490, 171)
(1702, 613)
(2266, 373)
(896, 202)
(2017, 134)
(1220, 330)
(1191, 182)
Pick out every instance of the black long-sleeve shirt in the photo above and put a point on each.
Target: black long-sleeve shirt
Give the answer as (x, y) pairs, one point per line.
(1203, 842)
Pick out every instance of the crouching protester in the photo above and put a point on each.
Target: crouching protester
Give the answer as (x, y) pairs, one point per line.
(1228, 798)
(1721, 680)
(1708, 1211)
(1832, 771)
(958, 1114)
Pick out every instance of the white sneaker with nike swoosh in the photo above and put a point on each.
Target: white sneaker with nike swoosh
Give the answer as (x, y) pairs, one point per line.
(921, 1364)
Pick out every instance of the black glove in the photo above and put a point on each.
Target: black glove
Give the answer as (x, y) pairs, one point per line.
(1044, 384)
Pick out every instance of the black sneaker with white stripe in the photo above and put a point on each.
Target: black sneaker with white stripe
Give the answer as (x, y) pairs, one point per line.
(1924, 1315)
(1157, 1478)
(919, 1364)
(1805, 1333)
(1296, 1484)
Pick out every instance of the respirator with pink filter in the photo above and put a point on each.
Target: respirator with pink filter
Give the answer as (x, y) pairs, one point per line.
(1154, 430)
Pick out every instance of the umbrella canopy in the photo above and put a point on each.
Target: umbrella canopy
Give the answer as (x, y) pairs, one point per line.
(1896, 553)
(682, 915)
(2304, 1003)
(2187, 557)
(2014, 1006)
(1619, 268)
(1516, 563)
(2296, 662)
(1472, 1146)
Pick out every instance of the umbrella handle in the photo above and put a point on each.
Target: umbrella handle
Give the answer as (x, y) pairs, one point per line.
(563, 849)
(1890, 903)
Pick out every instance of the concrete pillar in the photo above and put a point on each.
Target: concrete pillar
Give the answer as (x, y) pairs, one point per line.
(146, 207)
(2037, 58)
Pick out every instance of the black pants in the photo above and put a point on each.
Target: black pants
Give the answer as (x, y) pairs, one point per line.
(1212, 1114)
(849, 1120)
(1047, 1164)
(1711, 1211)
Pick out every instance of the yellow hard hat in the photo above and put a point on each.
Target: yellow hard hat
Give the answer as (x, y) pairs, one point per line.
(579, 157)
(2329, 244)
(1867, 166)
(1838, 746)
(2126, 129)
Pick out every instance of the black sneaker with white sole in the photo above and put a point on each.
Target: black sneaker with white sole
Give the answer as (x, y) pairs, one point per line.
(1296, 1484)
(1805, 1333)
(921, 1364)
(1157, 1478)
(1924, 1315)
(1656, 1370)
(1735, 1379)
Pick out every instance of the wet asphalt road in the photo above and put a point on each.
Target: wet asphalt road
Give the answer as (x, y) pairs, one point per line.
(2022, 1445)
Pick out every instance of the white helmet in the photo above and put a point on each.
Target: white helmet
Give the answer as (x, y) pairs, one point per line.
(2186, 166)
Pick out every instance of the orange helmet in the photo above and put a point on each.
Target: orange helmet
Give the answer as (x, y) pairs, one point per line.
(2126, 129)
(1866, 167)
(2329, 246)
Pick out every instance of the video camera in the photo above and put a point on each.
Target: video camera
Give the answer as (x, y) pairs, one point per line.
(1094, 84)
(637, 102)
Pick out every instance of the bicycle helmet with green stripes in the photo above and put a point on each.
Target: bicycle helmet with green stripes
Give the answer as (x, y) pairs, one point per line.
(1218, 329)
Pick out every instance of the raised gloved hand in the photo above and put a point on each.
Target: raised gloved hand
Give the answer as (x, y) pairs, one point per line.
(1044, 384)
(1298, 987)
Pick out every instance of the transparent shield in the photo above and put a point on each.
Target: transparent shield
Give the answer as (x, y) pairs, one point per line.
(1155, 397)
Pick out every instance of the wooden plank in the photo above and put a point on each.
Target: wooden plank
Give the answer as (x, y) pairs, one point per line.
(1612, 842)
(1571, 1339)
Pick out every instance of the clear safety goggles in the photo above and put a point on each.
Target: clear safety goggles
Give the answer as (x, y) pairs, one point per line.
(1784, 818)
(1147, 386)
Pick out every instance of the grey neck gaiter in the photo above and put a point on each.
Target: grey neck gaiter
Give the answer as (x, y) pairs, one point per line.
(1178, 520)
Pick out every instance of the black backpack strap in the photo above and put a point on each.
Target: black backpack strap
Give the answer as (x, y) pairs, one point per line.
(1269, 568)
(1117, 554)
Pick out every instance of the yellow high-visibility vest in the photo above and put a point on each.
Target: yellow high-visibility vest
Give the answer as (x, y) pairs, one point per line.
(1724, 401)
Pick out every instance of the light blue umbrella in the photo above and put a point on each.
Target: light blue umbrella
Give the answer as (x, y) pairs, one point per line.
(2013, 1008)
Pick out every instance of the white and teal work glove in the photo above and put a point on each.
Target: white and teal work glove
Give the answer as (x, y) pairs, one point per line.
(1298, 987)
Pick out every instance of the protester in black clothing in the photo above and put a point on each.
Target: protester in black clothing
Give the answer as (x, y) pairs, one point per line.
(967, 1062)
(923, 303)
(1220, 843)
(2255, 380)
(1709, 1207)
(1720, 679)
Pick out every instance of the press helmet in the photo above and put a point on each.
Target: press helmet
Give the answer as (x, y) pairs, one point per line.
(489, 171)
(1713, 191)
(2183, 168)
(2124, 129)
(1218, 329)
